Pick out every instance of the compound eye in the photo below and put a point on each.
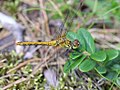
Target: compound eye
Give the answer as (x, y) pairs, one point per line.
(76, 44)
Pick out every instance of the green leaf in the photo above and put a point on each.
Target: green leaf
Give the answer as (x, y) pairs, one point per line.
(112, 54)
(101, 69)
(71, 36)
(67, 66)
(118, 81)
(116, 67)
(111, 75)
(75, 55)
(99, 56)
(87, 65)
(82, 41)
(86, 40)
(72, 64)
(77, 62)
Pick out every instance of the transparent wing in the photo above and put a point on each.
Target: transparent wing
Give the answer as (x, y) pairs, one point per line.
(61, 28)
(71, 19)
(68, 20)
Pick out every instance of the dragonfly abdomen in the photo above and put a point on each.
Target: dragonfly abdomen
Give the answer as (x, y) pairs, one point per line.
(49, 43)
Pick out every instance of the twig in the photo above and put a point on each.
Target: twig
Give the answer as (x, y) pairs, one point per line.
(33, 73)
(6, 45)
(56, 8)
(14, 83)
(45, 18)
(44, 61)
(23, 64)
(2, 62)
(24, 20)
(105, 31)
(8, 75)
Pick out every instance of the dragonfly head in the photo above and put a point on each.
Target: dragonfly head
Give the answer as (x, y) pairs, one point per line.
(76, 44)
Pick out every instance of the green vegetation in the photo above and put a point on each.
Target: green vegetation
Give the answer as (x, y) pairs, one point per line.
(93, 59)
(89, 58)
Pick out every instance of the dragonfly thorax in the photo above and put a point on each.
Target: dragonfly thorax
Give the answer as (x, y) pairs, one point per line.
(63, 42)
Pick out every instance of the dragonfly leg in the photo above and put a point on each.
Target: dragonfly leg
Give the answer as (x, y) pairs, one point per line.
(67, 52)
(78, 50)
(68, 64)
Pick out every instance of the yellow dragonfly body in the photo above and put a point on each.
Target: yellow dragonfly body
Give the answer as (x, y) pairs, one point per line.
(62, 42)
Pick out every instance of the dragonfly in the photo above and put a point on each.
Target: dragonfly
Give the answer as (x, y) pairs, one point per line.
(62, 41)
